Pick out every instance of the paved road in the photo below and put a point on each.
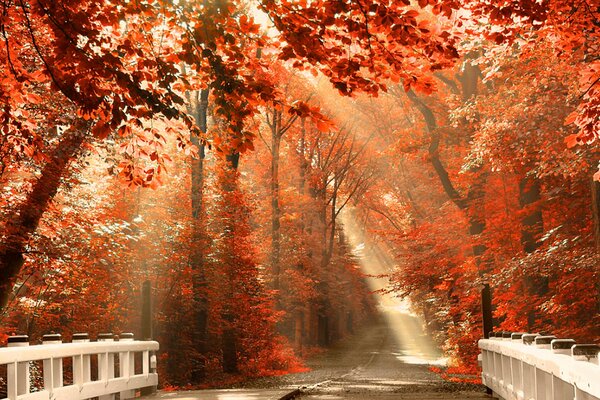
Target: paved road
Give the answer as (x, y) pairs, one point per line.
(381, 367)
(226, 394)
(388, 360)
(377, 363)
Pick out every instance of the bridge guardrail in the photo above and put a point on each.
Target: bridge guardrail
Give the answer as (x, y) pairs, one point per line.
(100, 356)
(524, 366)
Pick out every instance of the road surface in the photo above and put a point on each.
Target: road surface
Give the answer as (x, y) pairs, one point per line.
(377, 363)
(387, 360)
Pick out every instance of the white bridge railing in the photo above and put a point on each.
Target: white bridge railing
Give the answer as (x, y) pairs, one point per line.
(520, 366)
(99, 369)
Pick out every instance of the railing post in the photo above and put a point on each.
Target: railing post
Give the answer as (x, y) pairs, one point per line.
(81, 363)
(487, 325)
(586, 352)
(486, 310)
(517, 366)
(562, 346)
(529, 374)
(106, 364)
(17, 373)
(126, 365)
(544, 387)
(53, 367)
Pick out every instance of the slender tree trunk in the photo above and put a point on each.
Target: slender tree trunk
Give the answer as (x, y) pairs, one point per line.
(468, 204)
(229, 346)
(275, 207)
(229, 336)
(323, 219)
(532, 223)
(324, 320)
(477, 218)
(303, 161)
(468, 80)
(311, 321)
(299, 328)
(323, 329)
(198, 244)
(531, 229)
(321, 306)
(26, 218)
(596, 212)
(332, 222)
(311, 324)
(596, 220)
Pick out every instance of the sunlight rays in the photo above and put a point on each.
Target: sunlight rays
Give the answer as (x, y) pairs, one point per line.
(414, 345)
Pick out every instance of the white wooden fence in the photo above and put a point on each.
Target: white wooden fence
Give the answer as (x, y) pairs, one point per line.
(520, 366)
(112, 361)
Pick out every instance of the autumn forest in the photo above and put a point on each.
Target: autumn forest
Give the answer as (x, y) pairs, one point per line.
(251, 159)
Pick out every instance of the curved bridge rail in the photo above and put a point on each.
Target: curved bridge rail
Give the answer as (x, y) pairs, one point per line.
(99, 369)
(523, 366)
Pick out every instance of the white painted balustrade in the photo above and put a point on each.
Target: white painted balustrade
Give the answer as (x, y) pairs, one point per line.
(101, 357)
(521, 366)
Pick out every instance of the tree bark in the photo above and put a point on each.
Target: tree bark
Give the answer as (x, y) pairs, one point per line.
(476, 191)
(596, 212)
(25, 219)
(198, 243)
(298, 330)
(275, 207)
(303, 161)
(468, 80)
(299, 325)
(332, 222)
(321, 196)
(433, 150)
(476, 215)
(322, 304)
(229, 346)
(229, 335)
(278, 128)
(532, 223)
(532, 226)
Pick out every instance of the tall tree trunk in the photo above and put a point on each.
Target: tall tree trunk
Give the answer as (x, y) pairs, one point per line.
(229, 345)
(596, 220)
(329, 226)
(322, 307)
(532, 226)
(229, 336)
(332, 222)
(476, 192)
(299, 325)
(471, 204)
(596, 212)
(199, 244)
(303, 161)
(532, 223)
(275, 207)
(320, 196)
(26, 218)
(278, 128)
(298, 329)
(476, 215)
(468, 80)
